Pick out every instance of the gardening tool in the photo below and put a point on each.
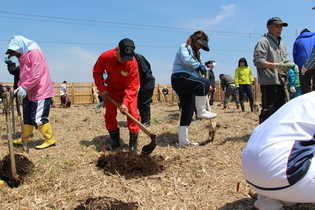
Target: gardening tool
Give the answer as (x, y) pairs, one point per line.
(7, 105)
(255, 106)
(24, 141)
(16, 135)
(213, 124)
(13, 117)
(147, 149)
(283, 80)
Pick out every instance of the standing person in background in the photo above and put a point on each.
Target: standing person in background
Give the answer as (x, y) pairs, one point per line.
(229, 89)
(210, 75)
(100, 98)
(191, 88)
(35, 83)
(309, 63)
(100, 104)
(270, 58)
(243, 80)
(13, 70)
(165, 91)
(302, 49)
(147, 83)
(122, 86)
(63, 93)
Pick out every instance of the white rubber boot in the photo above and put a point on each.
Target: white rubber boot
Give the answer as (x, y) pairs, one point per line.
(265, 203)
(183, 137)
(201, 108)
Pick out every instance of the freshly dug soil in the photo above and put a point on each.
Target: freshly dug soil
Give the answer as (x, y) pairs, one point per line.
(130, 164)
(23, 167)
(105, 203)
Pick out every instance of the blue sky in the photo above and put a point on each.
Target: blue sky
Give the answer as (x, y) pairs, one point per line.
(72, 34)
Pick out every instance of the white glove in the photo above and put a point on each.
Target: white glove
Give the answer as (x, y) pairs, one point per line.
(304, 70)
(21, 92)
(292, 89)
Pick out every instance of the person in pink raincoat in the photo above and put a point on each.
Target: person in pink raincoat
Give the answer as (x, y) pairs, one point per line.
(35, 88)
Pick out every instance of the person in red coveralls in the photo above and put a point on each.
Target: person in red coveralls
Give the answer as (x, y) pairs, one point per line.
(122, 86)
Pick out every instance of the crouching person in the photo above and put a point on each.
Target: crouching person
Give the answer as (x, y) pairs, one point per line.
(35, 88)
(278, 161)
(122, 85)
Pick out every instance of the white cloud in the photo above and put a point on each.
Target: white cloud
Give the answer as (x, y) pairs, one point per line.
(223, 17)
(227, 12)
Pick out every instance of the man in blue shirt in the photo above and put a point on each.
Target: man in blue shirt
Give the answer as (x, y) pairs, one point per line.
(302, 49)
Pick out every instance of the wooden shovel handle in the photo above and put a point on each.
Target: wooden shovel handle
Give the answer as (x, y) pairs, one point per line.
(142, 127)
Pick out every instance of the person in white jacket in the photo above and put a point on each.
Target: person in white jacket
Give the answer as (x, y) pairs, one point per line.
(278, 160)
(35, 88)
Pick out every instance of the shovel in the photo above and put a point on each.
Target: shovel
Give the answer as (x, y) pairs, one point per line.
(24, 141)
(255, 106)
(147, 149)
(7, 106)
(283, 79)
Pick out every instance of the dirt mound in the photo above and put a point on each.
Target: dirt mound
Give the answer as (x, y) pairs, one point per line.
(23, 167)
(105, 203)
(130, 164)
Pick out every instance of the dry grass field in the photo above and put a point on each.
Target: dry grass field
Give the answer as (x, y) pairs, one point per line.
(203, 177)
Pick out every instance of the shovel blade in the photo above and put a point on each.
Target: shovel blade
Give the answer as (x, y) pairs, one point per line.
(148, 149)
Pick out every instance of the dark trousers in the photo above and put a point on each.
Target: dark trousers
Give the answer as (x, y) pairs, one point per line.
(305, 82)
(246, 89)
(63, 99)
(273, 97)
(187, 87)
(144, 99)
(230, 90)
(211, 94)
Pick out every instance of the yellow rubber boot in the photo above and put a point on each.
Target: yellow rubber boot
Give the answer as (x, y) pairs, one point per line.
(28, 132)
(2, 183)
(46, 131)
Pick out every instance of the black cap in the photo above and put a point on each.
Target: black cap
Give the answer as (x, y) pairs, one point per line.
(276, 20)
(127, 49)
(204, 44)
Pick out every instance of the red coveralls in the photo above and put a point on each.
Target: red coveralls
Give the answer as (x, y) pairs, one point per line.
(122, 85)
